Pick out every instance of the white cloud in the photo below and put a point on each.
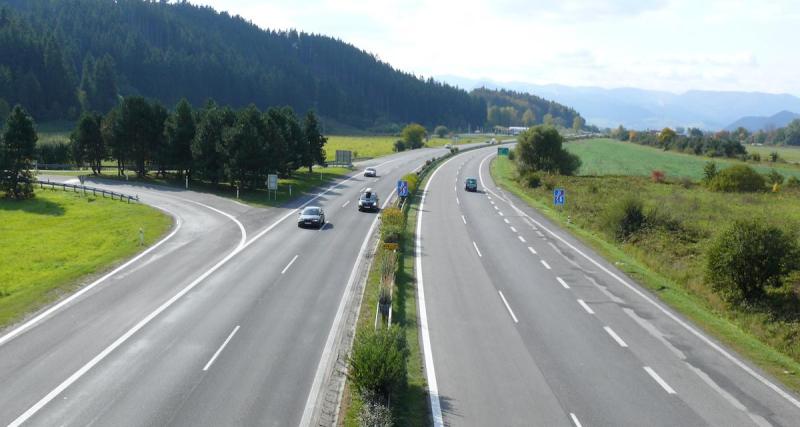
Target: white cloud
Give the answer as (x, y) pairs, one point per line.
(673, 45)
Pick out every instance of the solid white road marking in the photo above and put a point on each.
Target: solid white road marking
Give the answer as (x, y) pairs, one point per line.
(545, 264)
(513, 229)
(346, 203)
(464, 219)
(563, 283)
(575, 420)
(769, 384)
(511, 312)
(615, 336)
(533, 251)
(659, 380)
(219, 350)
(476, 249)
(585, 306)
(290, 264)
(521, 239)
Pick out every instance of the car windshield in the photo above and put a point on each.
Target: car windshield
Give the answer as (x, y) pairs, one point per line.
(471, 181)
(311, 211)
(367, 196)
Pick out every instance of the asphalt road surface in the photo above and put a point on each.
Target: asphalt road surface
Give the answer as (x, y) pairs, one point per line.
(224, 322)
(525, 325)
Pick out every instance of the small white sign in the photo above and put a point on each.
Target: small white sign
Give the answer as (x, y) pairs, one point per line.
(272, 182)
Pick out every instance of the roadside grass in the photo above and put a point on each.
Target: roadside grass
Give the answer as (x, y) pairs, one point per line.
(301, 182)
(377, 146)
(671, 263)
(603, 156)
(49, 244)
(790, 154)
(409, 406)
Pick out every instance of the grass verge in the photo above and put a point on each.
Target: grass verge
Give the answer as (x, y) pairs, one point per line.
(301, 182)
(51, 242)
(671, 265)
(377, 146)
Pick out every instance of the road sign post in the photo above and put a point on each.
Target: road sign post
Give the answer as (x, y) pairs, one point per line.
(559, 197)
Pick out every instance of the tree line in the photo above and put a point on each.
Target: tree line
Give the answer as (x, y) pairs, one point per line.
(507, 108)
(213, 143)
(694, 141)
(61, 57)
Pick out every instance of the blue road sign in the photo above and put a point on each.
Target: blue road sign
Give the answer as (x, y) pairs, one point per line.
(558, 196)
(402, 188)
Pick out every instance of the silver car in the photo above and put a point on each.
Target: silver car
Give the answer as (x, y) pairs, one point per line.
(371, 172)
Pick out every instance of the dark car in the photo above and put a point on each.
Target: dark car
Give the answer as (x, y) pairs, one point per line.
(311, 216)
(368, 201)
(471, 184)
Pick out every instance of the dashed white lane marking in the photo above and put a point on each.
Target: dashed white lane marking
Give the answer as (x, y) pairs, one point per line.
(476, 249)
(458, 202)
(605, 291)
(289, 264)
(496, 208)
(563, 283)
(615, 336)
(659, 380)
(511, 312)
(545, 264)
(500, 213)
(464, 219)
(585, 306)
(219, 350)
(506, 221)
(533, 251)
(539, 233)
(513, 229)
(575, 420)
(521, 239)
(346, 203)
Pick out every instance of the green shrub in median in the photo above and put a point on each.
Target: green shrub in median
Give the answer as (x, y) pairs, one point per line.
(748, 257)
(392, 224)
(738, 178)
(378, 362)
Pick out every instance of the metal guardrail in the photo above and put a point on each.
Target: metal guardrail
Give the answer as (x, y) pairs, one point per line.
(86, 190)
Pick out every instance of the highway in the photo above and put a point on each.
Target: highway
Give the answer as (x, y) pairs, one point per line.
(523, 324)
(227, 321)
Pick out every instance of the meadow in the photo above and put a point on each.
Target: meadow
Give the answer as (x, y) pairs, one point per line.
(50, 243)
(789, 154)
(669, 256)
(604, 156)
(377, 146)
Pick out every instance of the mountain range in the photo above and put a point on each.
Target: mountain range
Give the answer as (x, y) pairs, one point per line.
(756, 123)
(649, 109)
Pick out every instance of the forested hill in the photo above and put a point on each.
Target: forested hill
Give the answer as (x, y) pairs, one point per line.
(59, 56)
(510, 108)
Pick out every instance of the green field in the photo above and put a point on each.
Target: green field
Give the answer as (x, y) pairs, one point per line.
(668, 256)
(50, 243)
(790, 154)
(377, 146)
(611, 157)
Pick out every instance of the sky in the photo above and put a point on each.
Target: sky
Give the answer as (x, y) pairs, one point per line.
(672, 45)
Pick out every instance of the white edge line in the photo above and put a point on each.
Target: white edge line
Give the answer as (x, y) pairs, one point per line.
(229, 216)
(289, 264)
(659, 380)
(563, 283)
(219, 350)
(585, 306)
(25, 326)
(760, 378)
(476, 249)
(545, 264)
(508, 307)
(615, 336)
(575, 420)
(142, 323)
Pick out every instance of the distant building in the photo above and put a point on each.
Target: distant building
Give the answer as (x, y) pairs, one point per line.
(516, 130)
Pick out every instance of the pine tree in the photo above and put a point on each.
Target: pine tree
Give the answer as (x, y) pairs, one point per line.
(18, 147)
(314, 142)
(179, 132)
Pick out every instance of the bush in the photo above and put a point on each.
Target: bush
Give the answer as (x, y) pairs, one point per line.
(511, 155)
(624, 218)
(392, 225)
(378, 362)
(756, 157)
(738, 178)
(531, 179)
(748, 257)
(441, 131)
(399, 146)
(709, 172)
(413, 181)
(792, 182)
(657, 176)
(774, 177)
(540, 149)
(773, 156)
(686, 182)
